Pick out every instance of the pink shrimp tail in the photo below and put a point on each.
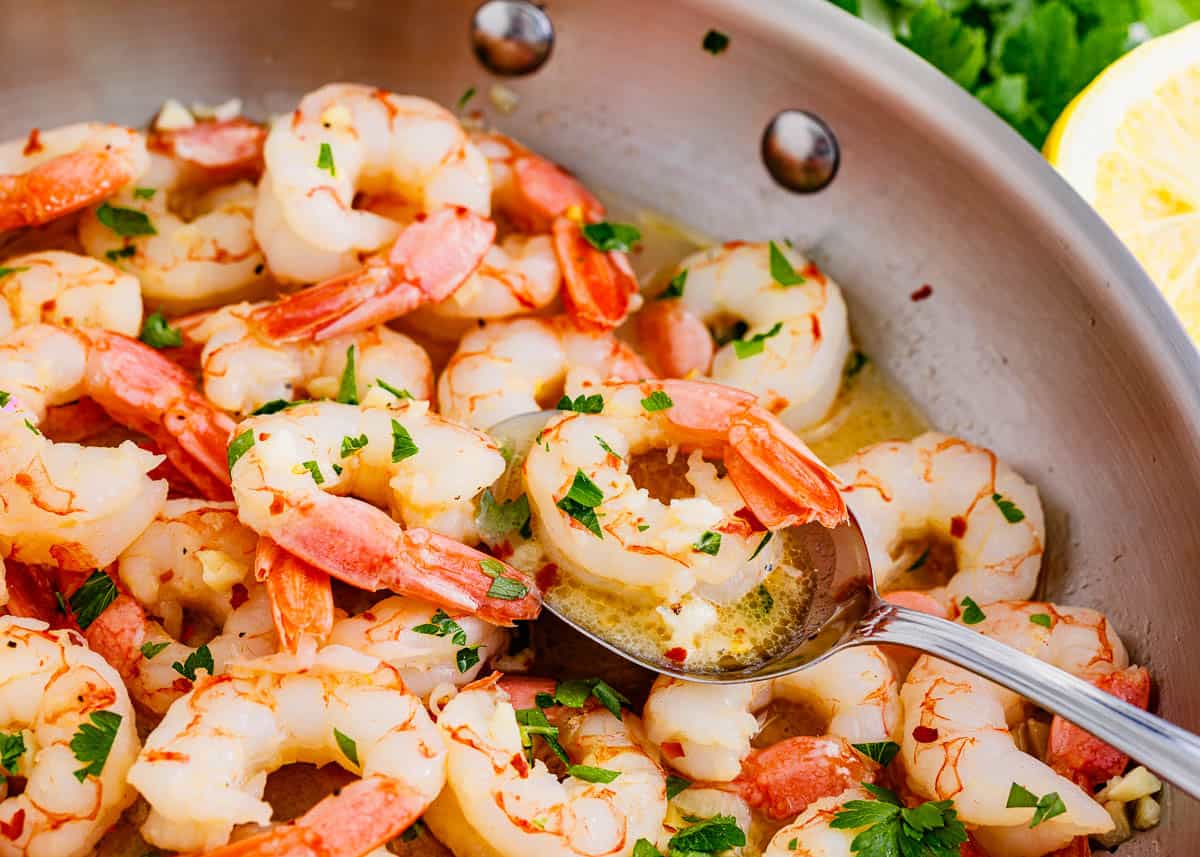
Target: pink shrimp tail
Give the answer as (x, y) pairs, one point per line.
(1085, 759)
(60, 186)
(545, 192)
(75, 422)
(223, 151)
(675, 340)
(428, 262)
(783, 779)
(143, 390)
(301, 596)
(599, 288)
(361, 545)
(357, 819)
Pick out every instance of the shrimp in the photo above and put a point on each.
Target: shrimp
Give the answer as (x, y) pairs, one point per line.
(940, 486)
(53, 173)
(499, 803)
(136, 386)
(796, 336)
(421, 641)
(74, 729)
(705, 731)
(809, 834)
(643, 547)
(291, 467)
(67, 290)
(520, 365)
(231, 730)
(212, 152)
(243, 371)
(956, 742)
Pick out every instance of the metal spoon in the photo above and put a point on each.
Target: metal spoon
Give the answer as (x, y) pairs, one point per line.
(847, 611)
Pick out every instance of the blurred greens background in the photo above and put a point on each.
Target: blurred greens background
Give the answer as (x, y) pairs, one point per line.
(1025, 59)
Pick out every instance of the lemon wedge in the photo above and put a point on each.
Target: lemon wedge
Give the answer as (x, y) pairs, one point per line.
(1130, 145)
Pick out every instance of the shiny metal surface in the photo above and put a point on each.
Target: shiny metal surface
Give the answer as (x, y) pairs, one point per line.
(800, 151)
(1042, 338)
(511, 37)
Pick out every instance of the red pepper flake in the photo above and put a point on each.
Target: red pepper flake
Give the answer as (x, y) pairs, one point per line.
(32, 146)
(13, 827)
(749, 517)
(958, 526)
(368, 615)
(921, 293)
(816, 327)
(238, 596)
(546, 576)
(812, 272)
(672, 749)
(181, 684)
(421, 217)
(677, 654)
(925, 735)
(502, 551)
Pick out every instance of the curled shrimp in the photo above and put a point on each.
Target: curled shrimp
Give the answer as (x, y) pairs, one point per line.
(956, 742)
(59, 696)
(53, 173)
(810, 834)
(136, 386)
(242, 370)
(67, 290)
(520, 365)
(498, 802)
(794, 339)
(961, 494)
(296, 466)
(230, 731)
(644, 546)
(705, 731)
(212, 152)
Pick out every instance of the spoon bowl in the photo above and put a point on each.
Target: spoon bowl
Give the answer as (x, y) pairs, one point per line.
(846, 610)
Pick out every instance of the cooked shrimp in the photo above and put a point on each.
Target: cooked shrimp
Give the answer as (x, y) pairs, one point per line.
(434, 655)
(796, 339)
(242, 370)
(641, 546)
(809, 834)
(705, 730)
(956, 742)
(426, 470)
(212, 152)
(496, 802)
(49, 174)
(517, 366)
(230, 731)
(137, 386)
(67, 290)
(947, 488)
(184, 263)
(77, 740)
(345, 139)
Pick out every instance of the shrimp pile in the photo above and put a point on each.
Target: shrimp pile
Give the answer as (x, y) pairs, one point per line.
(255, 514)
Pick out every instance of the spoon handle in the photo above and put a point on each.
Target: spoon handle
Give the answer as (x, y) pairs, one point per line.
(1173, 753)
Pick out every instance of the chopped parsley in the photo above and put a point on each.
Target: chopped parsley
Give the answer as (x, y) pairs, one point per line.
(919, 561)
(467, 657)
(351, 445)
(5, 271)
(575, 693)
(856, 363)
(879, 751)
(766, 601)
(399, 393)
(744, 348)
(144, 192)
(1042, 619)
(93, 741)
(150, 650)
(675, 785)
(782, 271)
(719, 833)
(4, 397)
(762, 544)
(347, 745)
(402, 443)
(467, 95)
(314, 470)
(645, 848)
(531, 722)
(582, 404)
(347, 392)
(32, 427)
(239, 446)
(607, 236)
(930, 829)
(581, 501)
(715, 42)
(709, 543)
(325, 160)
(590, 774)
(201, 659)
(1008, 509)
(92, 598)
(276, 405)
(12, 748)
(971, 614)
(657, 401)
(606, 447)
(126, 222)
(120, 253)
(503, 587)
(441, 625)
(674, 288)
(496, 520)
(1044, 808)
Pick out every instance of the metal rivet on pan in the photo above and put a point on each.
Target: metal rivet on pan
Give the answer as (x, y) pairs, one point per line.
(512, 37)
(800, 151)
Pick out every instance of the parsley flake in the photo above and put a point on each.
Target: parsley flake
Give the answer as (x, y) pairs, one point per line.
(856, 363)
(606, 237)
(503, 587)
(144, 192)
(276, 405)
(92, 598)
(12, 748)
(347, 392)
(657, 401)
(467, 95)
(919, 561)
(590, 774)
(325, 160)
(1042, 619)
(120, 253)
(347, 745)
(496, 520)
(201, 659)
(675, 785)
(93, 741)
(709, 543)
(581, 501)
(606, 447)
(782, 271)
(879, 751)
(402, 443)
(399, 393)
(930, 829)
(1044, 808)
(149, 650)
(126, 222)
(762, 544)
(971, 614)
(314, 470)
(744, 348)
(467, 657)
(575, 693)
(645, 848)
(441, 625)
(719, 833)
(351, 445)
(674, 288)
(582, 404)
(531, 722)
(238, 447)
(715, 42)
(5, 271)
(1008, 509)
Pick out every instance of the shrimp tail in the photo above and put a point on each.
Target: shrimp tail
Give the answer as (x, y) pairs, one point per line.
(783, 779)
(301, 596)
(362, 816)
(140, 388)
(426, 264)
(222, 152)
(59, 187)
(1085, 759)
(600, 288)
(546, 191)
(675, 340)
